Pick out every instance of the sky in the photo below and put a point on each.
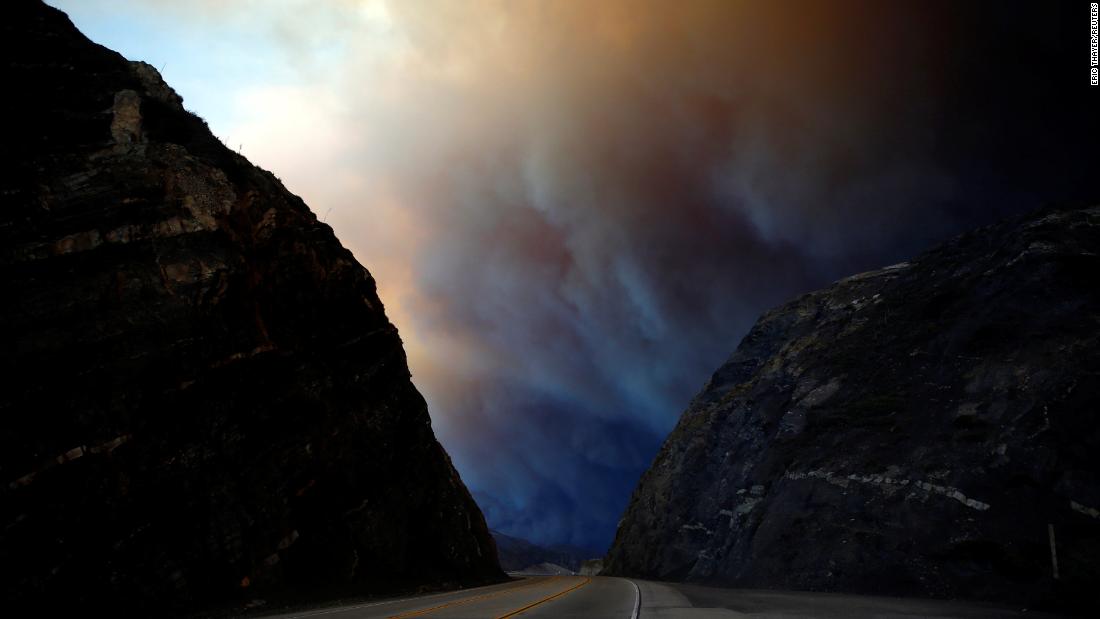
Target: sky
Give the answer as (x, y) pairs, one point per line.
(575, 210)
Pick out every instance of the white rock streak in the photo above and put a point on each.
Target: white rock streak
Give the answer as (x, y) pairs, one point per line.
(887, 482)
(1085, 509)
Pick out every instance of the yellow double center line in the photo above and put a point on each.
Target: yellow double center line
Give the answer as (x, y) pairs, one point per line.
(486, 596)
(546, 599)
(463, 601)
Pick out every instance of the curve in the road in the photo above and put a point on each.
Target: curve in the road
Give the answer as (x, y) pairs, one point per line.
(637, 600)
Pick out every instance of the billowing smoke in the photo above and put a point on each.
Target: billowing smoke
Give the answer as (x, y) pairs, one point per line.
(576, 209)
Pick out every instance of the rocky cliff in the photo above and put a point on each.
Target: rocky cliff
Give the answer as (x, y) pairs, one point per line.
(202, 394)
(919, 429)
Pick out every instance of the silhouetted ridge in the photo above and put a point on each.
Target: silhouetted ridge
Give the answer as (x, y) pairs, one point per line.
(203, 398)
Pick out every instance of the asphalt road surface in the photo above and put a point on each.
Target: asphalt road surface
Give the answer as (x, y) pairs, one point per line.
(598, 597)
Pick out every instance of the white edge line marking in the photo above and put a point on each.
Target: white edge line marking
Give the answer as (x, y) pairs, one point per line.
(637, 600)
(344, 609)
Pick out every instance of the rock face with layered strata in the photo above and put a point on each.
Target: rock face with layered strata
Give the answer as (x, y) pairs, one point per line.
(912, 430)
(202, 394)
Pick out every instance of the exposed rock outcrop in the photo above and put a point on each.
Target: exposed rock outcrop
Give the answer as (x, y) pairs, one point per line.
(915, 430)
(202, 394)
(591, 567)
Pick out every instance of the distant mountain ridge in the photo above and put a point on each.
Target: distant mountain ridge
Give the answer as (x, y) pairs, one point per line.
(517, 553)
(919, 429)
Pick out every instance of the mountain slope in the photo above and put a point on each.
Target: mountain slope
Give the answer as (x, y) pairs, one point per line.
(202, 393)
(912, 430)
(517, 553)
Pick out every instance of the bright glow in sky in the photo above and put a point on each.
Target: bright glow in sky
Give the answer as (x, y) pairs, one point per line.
(268, 77)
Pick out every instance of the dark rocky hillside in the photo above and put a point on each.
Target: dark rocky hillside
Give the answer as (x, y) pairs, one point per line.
(202, 398)
(912, 430)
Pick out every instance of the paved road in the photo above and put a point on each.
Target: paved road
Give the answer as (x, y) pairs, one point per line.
(577, 597)
(541, 596)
